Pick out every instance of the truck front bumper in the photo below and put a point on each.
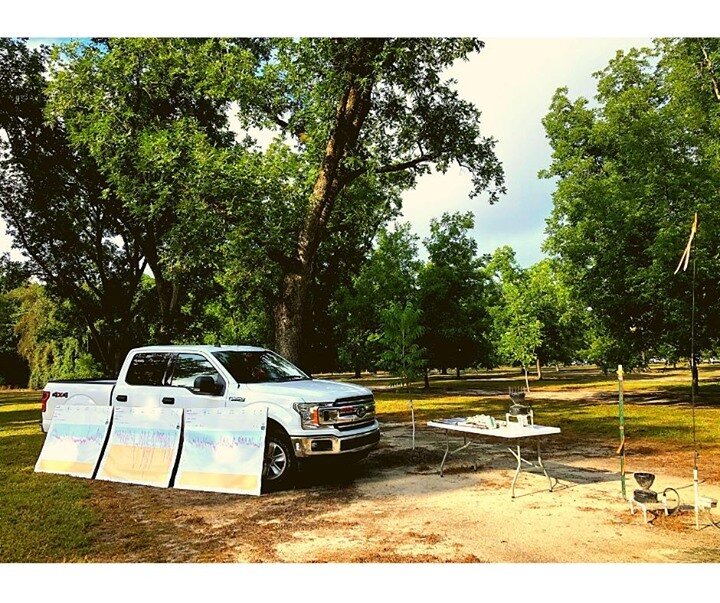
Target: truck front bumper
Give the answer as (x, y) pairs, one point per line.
(320, 445)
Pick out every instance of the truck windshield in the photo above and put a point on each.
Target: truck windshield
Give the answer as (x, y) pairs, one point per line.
(258, 367)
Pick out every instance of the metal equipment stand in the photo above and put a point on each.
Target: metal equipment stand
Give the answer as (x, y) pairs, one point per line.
(655, 507)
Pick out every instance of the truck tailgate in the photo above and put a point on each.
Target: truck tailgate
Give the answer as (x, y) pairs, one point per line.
(91, 392)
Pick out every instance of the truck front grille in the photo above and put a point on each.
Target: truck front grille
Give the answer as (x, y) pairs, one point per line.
(348, 413)
(351, 444)
(351, 426)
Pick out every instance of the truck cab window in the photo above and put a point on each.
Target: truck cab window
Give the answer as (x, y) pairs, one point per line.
(259, 367)
(147, 369)
(188, 367)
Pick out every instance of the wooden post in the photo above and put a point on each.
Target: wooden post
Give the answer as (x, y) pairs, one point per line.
(412, 407)
(412, 415)
(621, 415)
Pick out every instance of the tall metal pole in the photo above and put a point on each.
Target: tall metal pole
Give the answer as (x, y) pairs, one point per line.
(683, 264)
(621, 414)
(693, 372)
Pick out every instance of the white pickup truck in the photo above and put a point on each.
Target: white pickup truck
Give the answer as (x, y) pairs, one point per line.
(306, 417)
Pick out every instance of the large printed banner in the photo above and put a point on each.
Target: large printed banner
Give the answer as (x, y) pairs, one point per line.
(223, 450)
(75, 440)
(143, 446)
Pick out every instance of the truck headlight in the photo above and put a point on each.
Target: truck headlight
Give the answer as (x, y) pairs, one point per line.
(308, 412)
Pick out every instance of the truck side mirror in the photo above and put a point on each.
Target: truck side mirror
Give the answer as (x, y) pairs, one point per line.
(205, 384)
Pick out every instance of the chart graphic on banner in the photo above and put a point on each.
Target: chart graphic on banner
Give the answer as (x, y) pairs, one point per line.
(75, 440)
(142, 447)
(223, 450)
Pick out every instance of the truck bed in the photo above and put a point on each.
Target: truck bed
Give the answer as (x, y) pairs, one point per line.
(93, 392)
(103, 380)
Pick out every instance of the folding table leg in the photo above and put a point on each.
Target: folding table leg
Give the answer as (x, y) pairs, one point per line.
(540, 464)
(466, 444)
(517, 469)
(447, 451)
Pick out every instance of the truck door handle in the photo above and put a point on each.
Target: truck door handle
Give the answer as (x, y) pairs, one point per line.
(121, 398)
(168, 400)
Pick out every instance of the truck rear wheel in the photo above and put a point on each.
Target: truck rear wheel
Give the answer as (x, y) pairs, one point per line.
(279, 463)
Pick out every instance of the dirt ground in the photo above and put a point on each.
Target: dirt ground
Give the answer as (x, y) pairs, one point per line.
(394, 507)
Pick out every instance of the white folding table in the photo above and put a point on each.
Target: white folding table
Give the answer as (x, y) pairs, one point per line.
(514, 432)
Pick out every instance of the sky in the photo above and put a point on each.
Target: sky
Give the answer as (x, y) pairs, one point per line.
(511, 81)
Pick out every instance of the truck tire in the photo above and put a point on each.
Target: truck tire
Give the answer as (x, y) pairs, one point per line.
(279, 463)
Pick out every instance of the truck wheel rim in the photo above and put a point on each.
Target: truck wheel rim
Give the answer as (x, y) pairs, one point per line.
(275, 461)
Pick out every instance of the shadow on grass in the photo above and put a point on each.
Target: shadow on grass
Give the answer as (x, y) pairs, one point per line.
(20, 417)
(9, 396)
(499, 380)
(583, 423)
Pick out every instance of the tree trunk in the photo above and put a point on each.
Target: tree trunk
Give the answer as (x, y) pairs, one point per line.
(168, 295)
(457, 373)
(539, 369)
(352, 110)
(103, 345)
(527, 383)
(412, 418)
(443, 371)
(695, 378)
(426, 377)
(357, 372)
(288, 316)
(168, 292)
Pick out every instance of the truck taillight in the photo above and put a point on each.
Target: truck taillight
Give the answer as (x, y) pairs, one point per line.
(43, 400)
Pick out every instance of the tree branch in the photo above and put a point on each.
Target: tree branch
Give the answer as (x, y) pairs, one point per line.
(288, 264)
(404, 165)
(390, 167)
(297, 132)
(709, 67)
(278, 120)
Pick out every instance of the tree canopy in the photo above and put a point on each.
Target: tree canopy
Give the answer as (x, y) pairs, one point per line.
(244, 191)
(453, 291)
(357, 121)
(76, 233)
(631, 171)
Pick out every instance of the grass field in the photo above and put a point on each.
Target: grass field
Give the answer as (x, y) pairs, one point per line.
(56, 518)
(42, 517)
(583, 402)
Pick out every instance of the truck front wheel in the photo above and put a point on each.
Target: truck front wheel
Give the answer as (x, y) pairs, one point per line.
(279, 464)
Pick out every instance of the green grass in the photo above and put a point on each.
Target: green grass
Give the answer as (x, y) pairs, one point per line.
(657, 410)
(567, 378)
(43, 518)
(598, 421)
(51, 518)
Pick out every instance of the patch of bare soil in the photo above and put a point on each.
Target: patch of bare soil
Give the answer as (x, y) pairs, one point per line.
(394, 507)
